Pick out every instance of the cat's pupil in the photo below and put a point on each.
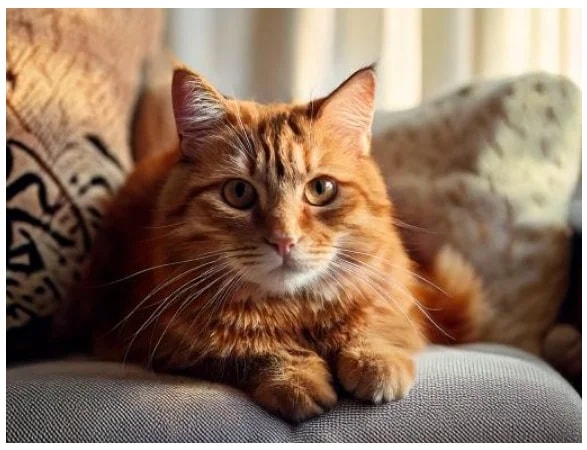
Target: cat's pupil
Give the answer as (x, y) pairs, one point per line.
(320, 187)
(239, 189)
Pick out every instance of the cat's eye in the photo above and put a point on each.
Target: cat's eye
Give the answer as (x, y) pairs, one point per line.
(320, 191)
(239, 194)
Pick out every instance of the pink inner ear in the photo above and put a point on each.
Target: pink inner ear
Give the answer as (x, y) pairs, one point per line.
(197, 106)
(179, 94)
(348, 111)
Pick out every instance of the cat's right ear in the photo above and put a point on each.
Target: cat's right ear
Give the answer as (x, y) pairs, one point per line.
(199, 109)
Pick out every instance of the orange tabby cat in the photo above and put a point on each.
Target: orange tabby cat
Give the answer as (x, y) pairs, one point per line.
(263, 253)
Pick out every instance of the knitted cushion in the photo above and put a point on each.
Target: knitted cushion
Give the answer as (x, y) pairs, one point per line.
(72, 80)
(491, 169)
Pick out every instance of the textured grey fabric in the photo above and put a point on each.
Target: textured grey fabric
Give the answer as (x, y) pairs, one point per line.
(470, 393)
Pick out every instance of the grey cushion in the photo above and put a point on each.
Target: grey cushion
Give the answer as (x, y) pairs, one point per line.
(469, 393)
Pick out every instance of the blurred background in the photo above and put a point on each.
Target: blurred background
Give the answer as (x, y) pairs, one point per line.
(283, 54)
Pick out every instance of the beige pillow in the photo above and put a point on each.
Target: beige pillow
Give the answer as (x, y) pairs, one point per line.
(490, 169)
(73, 78)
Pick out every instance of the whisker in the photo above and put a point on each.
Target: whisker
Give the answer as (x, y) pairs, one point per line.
(165, 303)
(193, 269)
(165, 226)
(248, 255)
(217, 302)
(400, 223)
(370, 282)
(200, 257)
(415, 301)
(251, 148)
(330, 272)
(160, 266)
(395, 266)
(385, 277)
(153, 292)
(159, 236)
(182, 307)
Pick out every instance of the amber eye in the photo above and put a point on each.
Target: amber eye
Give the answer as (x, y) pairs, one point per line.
(320, 191)
(239, 194)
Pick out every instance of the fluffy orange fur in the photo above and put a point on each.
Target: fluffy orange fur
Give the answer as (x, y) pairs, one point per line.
(262, 253)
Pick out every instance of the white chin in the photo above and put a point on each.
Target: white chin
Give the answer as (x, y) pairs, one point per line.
(286, 281)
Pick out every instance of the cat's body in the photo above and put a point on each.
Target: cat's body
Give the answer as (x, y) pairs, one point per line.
(263, 253)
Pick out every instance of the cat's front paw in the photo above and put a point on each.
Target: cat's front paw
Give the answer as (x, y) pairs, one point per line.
(298, 392)
(377, 377)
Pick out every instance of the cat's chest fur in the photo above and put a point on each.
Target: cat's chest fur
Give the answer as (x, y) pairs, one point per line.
(248, 326)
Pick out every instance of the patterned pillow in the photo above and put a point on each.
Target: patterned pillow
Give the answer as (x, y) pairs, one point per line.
(491, 169)
(73, 77)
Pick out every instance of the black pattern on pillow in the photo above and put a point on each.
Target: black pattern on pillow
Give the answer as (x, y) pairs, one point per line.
(51, 220)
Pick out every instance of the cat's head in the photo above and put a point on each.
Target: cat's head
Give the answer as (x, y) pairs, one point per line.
(275, 194)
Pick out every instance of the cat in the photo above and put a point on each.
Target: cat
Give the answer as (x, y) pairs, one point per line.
(262, 252)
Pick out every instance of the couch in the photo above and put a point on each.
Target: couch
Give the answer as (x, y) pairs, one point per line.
(473, 393)
(456, 158)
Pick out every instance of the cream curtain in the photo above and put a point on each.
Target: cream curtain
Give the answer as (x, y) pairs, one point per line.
(282, 54)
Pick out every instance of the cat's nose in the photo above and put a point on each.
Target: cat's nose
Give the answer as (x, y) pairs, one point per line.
(282, 245)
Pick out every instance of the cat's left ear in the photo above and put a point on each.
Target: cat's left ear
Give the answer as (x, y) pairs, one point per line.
(348, 111)
(198, 107)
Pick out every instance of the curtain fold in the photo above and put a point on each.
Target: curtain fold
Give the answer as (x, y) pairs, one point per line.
(284, 54)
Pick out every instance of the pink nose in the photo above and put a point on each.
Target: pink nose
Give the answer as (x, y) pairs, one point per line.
(282, 245)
